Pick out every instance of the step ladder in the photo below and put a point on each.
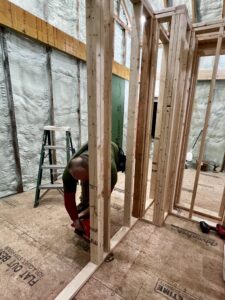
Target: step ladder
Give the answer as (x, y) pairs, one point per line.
(50, 148)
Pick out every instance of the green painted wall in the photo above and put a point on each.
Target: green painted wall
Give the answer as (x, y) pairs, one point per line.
(118, 94)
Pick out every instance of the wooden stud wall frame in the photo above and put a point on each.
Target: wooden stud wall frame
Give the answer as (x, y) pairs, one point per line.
(210, 41)
(176, 53)
(136, 41)
(145, 109)
(182, 47)
(178, 80)
(208, 110)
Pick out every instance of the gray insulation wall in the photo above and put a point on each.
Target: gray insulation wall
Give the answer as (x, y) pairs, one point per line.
(8, 182)
(31, 99)
(215, 139)
(30, 84)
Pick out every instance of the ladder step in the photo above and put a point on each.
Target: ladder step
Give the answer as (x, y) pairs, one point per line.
(51, 186)
(55, 128)
(53, 167)
(55, 147)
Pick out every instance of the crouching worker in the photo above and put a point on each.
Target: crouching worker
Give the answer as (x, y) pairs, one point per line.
(77, 170)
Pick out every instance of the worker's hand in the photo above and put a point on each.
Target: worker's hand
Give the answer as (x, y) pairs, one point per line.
(78, 225)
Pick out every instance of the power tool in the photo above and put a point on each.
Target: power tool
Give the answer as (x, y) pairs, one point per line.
(219, 229)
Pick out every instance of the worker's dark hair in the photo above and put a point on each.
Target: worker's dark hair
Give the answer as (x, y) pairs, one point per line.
(121, 160)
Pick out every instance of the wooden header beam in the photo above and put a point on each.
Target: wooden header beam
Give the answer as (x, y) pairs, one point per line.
(146, 5)
(213, 36)
(164, 15)
(21, 21)
(209, 49)
(207, 34)
(148, 10)
(207, 27)
(207, 75)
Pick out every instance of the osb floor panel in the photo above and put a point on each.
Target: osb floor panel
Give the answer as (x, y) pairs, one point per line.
(39, 252)
(172, 262)
(209, 192)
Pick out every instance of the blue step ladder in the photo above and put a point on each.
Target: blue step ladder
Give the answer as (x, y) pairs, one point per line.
(49, 147)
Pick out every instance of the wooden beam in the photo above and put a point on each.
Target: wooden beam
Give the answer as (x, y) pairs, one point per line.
(98, 25)
(166, 3)
(146, 5)
(207, 116)
(121, 23)
(195, 219)
(165, 15)
(170, 9)
(78, 282)
(171, 115)
(223, 164)
(187, 124)
(207, 75)
(124, 4)
(13, 127)
(209, 48)
(222, 205)
(223, 9)
(158, 215)
(223, 221)
(108, 59)
(207, 27)
(208, 37)
(82, 277)
(52, 153)
(163, 35)
(146, 102)
(200, 211)
(181, 97)
(25, 23)
(136, 39)
(194, 14)
(120, 70)
(163, 76)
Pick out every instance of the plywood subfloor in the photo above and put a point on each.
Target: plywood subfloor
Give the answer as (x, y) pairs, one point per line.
(155, 263)
(40, 254)
(209, 192)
